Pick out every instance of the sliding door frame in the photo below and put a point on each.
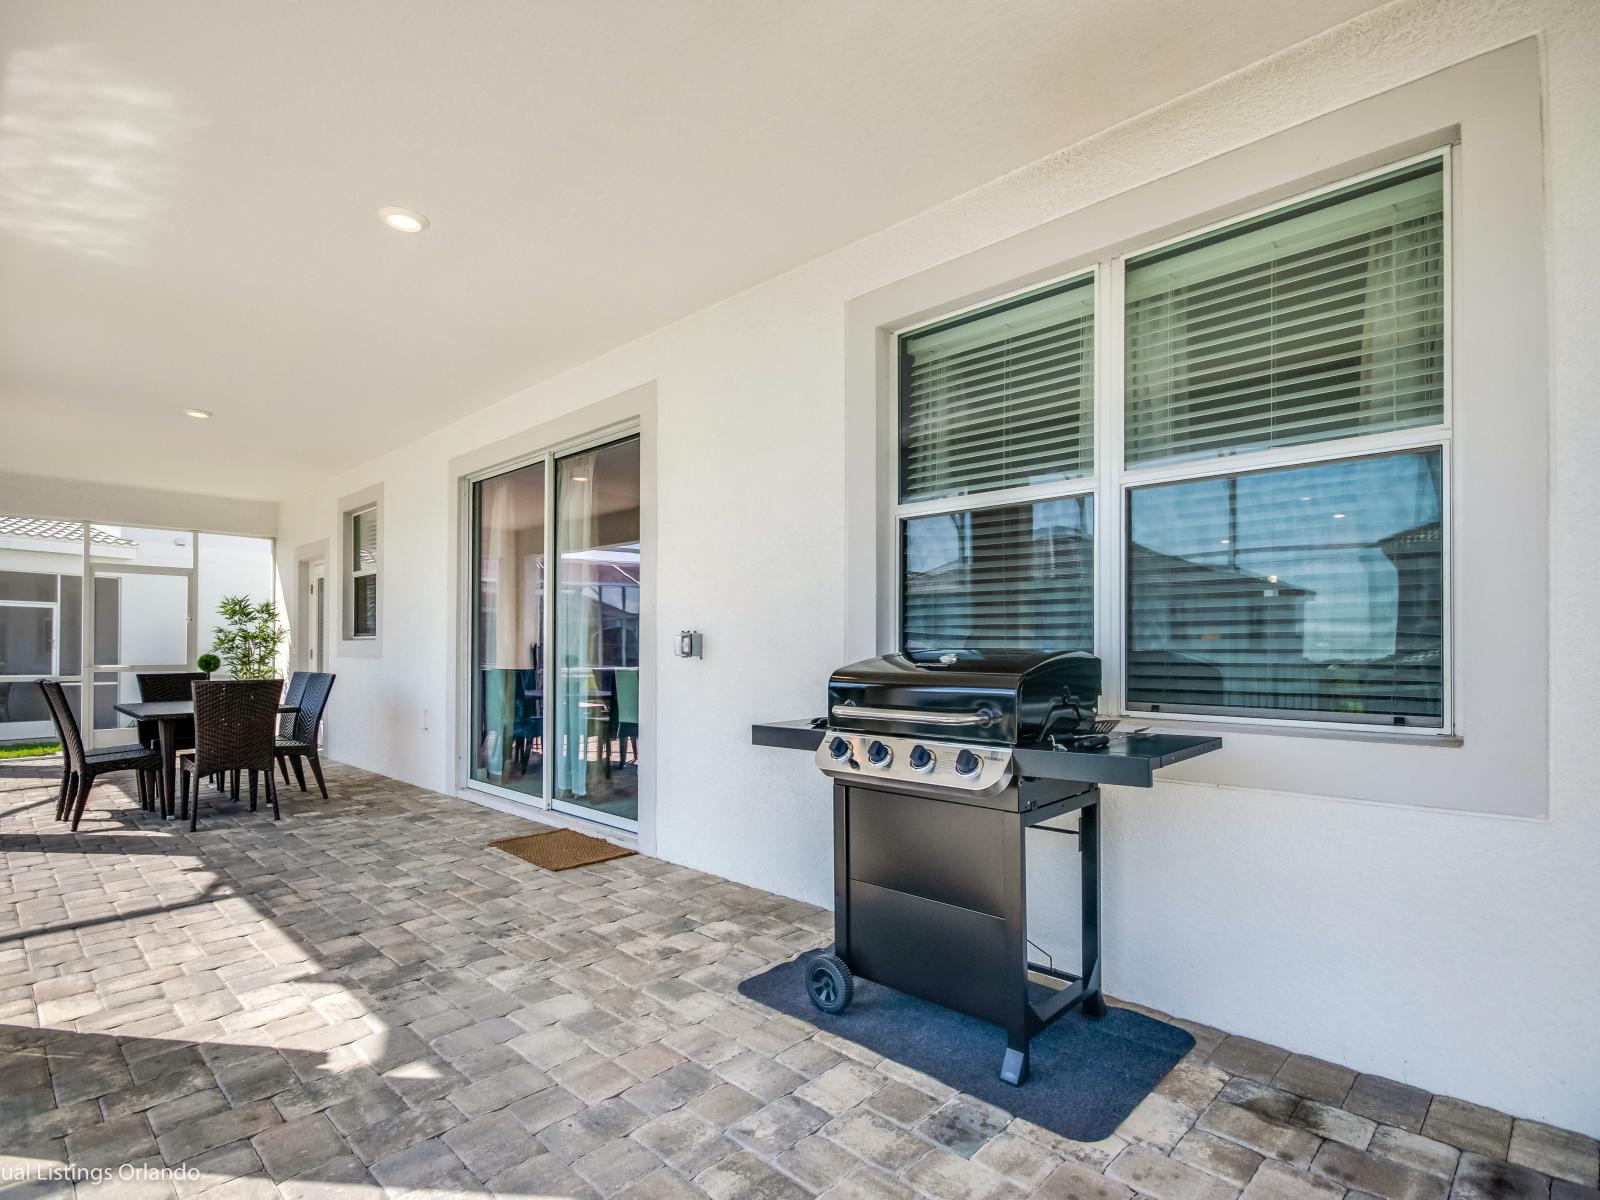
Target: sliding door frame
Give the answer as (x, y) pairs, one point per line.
(467, 602)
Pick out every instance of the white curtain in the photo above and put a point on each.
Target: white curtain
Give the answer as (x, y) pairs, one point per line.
(576, 629)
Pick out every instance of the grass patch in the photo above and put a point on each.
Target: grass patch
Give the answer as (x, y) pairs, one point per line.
(29, 749)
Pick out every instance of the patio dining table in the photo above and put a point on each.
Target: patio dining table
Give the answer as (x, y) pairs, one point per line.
(166, 714)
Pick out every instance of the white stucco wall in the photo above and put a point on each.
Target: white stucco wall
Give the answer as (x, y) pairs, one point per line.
(1457, 952)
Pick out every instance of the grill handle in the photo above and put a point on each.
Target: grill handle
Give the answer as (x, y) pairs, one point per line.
(982, 718)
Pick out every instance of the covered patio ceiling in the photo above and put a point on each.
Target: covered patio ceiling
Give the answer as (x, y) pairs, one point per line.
(189, 192)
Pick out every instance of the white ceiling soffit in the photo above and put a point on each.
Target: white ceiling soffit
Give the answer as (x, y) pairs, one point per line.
(189, 190)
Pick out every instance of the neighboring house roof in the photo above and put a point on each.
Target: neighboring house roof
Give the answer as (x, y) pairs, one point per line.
(57, 531)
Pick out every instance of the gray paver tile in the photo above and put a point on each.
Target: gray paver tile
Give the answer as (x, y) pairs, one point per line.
(1279, 1181)
(491, 1144)
(1250, 1058)
(1480, 1178)
(1388, 1102)
(1414, 1150)
(1217, 1156)
(1268, 1138)
(1152, 1173)
(1556, 1152)
(743, 1176)
(1468, 1126)
(1363, 1171)
(295, 1147)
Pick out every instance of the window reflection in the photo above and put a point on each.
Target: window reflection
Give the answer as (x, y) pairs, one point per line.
(508, 692)
(1316, 589)
(1011, 577)
(597, 631)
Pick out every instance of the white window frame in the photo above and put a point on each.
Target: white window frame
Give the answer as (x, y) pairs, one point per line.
(349, 507)
(357, 572)
(1111, 482)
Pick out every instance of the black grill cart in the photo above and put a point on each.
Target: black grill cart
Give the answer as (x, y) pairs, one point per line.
(930, 887)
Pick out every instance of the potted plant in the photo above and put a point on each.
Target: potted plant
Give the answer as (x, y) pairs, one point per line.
(249, 638)
(209, 663)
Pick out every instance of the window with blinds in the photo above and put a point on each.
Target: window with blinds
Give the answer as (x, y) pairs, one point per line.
(1013, 577)
(1000, 398)
(364, 574)
(1304, 591)
(1322, 320)
(1306, 585)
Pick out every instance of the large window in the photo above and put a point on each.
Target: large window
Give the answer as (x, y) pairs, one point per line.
(1272, 463)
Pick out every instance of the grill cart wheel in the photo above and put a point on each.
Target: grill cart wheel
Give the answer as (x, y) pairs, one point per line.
(829, 983)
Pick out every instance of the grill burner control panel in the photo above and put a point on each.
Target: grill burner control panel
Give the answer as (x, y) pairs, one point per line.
(885, 761)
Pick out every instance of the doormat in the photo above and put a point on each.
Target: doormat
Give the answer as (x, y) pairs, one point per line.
(561, 849)
(1085, 1076)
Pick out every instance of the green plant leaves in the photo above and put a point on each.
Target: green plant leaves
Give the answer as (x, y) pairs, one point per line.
(249, 638)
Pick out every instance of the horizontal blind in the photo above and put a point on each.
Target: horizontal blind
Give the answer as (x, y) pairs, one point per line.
(1322, 320)
(364, 607)
(1312, 591)
(1000, 398)
(366, 540)
(1014, 577)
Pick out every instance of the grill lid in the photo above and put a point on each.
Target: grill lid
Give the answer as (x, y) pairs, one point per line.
(994, 697)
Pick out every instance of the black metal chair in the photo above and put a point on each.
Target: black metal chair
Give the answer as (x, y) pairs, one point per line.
(235, 726)
(301, 742)
(83, 766)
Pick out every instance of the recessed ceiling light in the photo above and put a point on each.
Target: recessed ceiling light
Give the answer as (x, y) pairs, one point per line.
(403, 220)
(199, 414)
(1225, 541)
(1338, 516)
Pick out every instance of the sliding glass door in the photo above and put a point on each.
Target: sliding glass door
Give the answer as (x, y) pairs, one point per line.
(559, 728)
(508, 632)
(597, 633)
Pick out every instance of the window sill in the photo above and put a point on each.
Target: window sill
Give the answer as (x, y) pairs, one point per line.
(1167, 723)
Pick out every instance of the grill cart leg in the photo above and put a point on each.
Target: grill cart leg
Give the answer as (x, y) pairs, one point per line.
(1094, 1001)
(1019, 1023)
(1014, 1067)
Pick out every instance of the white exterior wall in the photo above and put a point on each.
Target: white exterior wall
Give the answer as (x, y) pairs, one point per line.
(1458, 952)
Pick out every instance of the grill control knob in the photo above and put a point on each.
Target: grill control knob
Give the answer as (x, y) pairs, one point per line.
(879, 755)
(968, 764)
(839, 748)
(920, 758)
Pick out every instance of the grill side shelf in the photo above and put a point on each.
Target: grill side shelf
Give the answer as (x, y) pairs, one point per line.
(786, 735)
(1128, 762)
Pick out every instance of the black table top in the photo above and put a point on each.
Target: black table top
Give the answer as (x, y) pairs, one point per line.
(167, 710)
(1129, 761)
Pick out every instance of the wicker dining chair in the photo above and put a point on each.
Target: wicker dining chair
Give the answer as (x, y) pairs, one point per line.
(82, 766)
(291, 697)
(161, 686)
(235, 726)
(316, 686)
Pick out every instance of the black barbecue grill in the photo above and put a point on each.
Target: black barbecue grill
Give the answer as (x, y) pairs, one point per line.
(940, 763)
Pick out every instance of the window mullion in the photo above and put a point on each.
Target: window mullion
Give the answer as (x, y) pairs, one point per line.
(1108, 420)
